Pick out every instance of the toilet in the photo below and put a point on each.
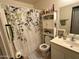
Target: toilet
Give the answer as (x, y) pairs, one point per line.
(45, 47)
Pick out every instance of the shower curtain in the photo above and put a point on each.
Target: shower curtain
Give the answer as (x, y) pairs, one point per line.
(25, 25)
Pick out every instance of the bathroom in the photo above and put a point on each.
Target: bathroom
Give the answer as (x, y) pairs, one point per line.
(39, 29)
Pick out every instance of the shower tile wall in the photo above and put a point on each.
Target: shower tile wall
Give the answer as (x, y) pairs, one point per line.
(25, 24)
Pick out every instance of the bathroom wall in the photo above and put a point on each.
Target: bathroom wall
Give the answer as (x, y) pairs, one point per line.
(62, 3)
(65, 13)
(17, 3)
(44, 4)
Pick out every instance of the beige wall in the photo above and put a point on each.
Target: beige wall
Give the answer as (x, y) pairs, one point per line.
(61, 3)
(65, 13)
(17, 3)
(43, 4)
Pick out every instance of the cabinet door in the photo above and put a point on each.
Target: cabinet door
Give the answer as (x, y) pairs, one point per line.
(56, 52)
(76, 55)
(69, 54)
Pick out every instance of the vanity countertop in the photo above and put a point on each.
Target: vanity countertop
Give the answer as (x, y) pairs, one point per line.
(63, 43)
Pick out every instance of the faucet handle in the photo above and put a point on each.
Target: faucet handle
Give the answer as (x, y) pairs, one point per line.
(72, 39)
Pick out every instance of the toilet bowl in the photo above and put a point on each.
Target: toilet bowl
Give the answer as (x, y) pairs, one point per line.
(44, 48)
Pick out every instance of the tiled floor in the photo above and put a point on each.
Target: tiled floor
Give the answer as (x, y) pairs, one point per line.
(44, 57)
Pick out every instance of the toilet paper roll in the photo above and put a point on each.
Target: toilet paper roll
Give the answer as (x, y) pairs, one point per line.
(18, 55)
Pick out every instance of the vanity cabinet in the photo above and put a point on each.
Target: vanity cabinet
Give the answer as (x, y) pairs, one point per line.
(56, 52)
(59, 52)
(68, 54)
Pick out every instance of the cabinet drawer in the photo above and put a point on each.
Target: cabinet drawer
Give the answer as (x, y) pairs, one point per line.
(68, 54)
(60, 52)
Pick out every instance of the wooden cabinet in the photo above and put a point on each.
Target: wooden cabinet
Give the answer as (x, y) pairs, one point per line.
(56, 52)
(68, 56)
(76, 56)
(59, 52)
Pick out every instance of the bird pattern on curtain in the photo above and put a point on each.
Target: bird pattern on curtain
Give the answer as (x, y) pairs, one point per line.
(25, 24)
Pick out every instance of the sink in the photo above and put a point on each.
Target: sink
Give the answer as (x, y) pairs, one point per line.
(72, 44)
(67, 43)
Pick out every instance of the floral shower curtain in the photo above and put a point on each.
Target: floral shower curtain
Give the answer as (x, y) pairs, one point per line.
(25, 25)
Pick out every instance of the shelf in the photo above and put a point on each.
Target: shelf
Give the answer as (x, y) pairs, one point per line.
(48, 34)
(47, 28)
(47, 14)
(48, 19)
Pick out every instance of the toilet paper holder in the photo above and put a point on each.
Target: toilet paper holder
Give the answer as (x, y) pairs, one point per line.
(19, 55)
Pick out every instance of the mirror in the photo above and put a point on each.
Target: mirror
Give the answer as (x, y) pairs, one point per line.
(69, 18)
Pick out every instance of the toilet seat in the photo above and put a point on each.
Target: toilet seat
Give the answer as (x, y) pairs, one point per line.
(44, 47)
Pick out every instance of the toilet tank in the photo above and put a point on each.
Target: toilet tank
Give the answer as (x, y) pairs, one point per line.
(47, 39)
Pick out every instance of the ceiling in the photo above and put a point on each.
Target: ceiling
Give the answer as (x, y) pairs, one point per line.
(28, 1)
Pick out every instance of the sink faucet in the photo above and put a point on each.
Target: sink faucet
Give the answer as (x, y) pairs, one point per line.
(72, 39)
